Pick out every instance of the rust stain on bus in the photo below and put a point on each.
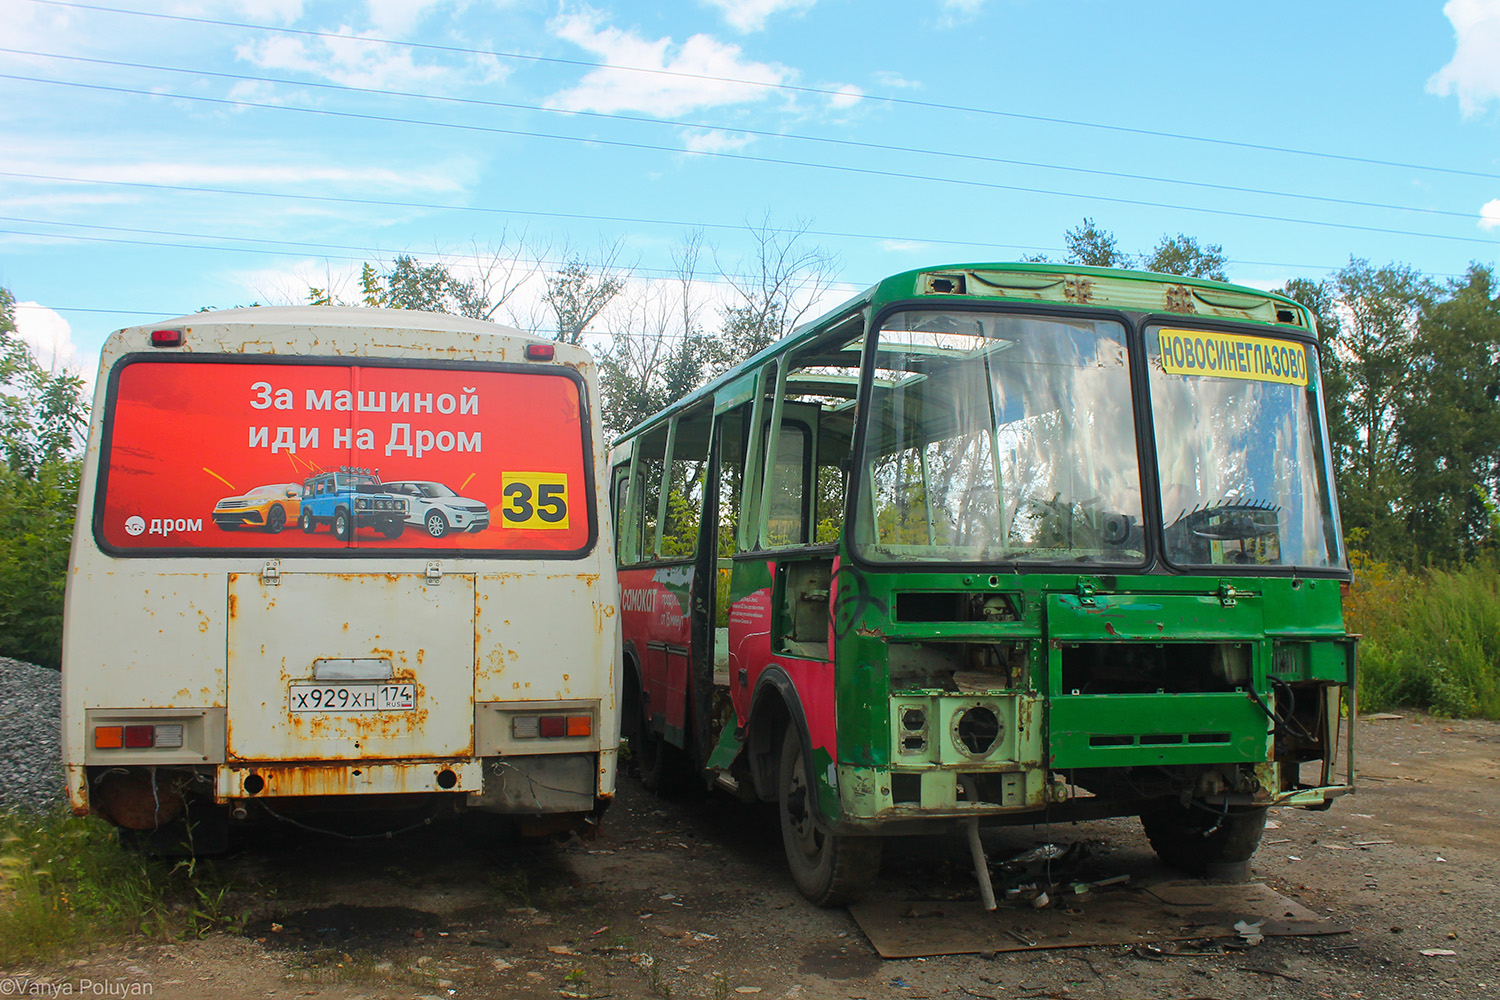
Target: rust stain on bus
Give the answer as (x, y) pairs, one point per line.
(395, 777)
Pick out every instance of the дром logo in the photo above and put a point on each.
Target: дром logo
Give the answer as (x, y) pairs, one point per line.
(135, 525)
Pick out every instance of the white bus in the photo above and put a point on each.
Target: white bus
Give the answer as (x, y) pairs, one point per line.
(327, 556)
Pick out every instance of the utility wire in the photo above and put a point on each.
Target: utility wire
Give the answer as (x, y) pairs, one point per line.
(276, 246)
(758, 133)
(744, 157)
(761, 84)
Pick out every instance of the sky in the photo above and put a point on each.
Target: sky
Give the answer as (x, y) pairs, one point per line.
(161, 157)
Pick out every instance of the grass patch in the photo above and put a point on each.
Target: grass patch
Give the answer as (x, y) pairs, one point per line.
(1431, 638)
(67, 884)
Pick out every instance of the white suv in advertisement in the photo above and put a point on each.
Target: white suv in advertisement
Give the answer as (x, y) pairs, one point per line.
(438, 509)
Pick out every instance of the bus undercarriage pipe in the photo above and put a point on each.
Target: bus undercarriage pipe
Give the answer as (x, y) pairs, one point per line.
(976, 851)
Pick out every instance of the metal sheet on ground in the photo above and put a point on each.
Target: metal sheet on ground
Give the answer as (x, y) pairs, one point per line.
(1168, 911)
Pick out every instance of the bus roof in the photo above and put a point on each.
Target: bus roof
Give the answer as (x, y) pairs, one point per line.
(1060, 284)
(341, 316)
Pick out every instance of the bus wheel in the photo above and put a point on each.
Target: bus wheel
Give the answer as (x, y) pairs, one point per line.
(656, 761)
(341, 526)
(1193, 838)
(830, 870)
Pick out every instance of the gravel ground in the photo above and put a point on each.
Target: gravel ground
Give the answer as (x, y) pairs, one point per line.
(30, 751)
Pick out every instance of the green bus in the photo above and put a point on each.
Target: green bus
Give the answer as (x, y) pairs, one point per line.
(996, 544)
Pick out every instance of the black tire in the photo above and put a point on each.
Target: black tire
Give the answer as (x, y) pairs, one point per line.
(653, 759)
(393, 529)
(342, 527)
(436, 524)
(1192, 838)
(307, 522)
(276, 519)
(829, 869)
(202, 833)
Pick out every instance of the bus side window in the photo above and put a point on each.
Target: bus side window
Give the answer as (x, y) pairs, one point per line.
(644, 494)
(619, 488)
(687, 470)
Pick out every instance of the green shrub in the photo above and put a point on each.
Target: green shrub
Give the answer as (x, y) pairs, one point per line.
(1431, 639)
(66, 883)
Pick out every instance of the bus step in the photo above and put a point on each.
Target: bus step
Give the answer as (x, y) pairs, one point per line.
(726, 781)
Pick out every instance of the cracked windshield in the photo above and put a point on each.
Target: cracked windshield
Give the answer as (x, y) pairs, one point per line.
(1000, 437)
(1241, 451)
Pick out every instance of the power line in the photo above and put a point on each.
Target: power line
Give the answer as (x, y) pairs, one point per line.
(758, 133)
(295, 245)
(738, 227)
(744, 157)
(660, 271)
(782, 87)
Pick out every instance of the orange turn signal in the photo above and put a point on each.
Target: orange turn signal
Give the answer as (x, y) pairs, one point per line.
(109, 737)
(580, 725)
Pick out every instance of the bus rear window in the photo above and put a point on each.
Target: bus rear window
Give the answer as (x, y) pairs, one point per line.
(320, 458)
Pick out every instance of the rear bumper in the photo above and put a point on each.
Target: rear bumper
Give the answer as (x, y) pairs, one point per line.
(347, 778)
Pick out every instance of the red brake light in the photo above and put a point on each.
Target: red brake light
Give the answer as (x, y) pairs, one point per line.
(540, 352)
(554, 727)
(140, 736)
(166, 338)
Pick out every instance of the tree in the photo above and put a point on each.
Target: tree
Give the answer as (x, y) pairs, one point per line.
(1322, 299)
(659, 350)
(1094, 247)
(581, 290)
(1448, 426)
(42, 416)
(497, 271)
(781, 281)
(1182, 255)
(1381, 309)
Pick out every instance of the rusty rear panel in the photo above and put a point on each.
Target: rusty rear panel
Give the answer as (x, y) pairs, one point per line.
(276, 633)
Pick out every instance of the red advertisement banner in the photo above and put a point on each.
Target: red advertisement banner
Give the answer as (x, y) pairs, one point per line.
(222, 455)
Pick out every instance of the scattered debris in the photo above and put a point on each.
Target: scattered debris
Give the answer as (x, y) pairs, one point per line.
(1250, 933)
(1438, 952)
(1381, 717)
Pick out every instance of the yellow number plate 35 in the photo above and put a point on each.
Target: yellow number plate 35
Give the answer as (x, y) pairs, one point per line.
(535, 500)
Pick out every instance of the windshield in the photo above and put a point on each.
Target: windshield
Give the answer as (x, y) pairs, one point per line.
(996, 436)
(1241, 451)
(359, 484)
(434, 490)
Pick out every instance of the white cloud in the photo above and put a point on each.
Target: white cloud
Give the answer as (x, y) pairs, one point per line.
(188, 173)
(847, 96)
(955, 12)
(713, 141)
(1489, 215)
(348, 59)
(1473, 74)
(746, 16)
(51, 340)
(284, 11)
(397, 17)
(707, 67)
(905, 246)
(886, 78)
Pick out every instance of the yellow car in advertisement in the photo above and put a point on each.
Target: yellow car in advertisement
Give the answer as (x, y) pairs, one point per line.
(269, 508)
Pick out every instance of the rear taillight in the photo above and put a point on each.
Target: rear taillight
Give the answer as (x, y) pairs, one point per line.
(166, 338)
(551, 727)
(165, 736)
(540, 352)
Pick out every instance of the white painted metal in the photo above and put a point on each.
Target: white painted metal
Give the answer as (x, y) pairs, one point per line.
(230, 632)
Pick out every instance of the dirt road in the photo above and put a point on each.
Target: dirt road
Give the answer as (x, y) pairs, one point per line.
(688, 898)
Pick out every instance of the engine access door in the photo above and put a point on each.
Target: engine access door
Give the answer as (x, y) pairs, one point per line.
(350, 666)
